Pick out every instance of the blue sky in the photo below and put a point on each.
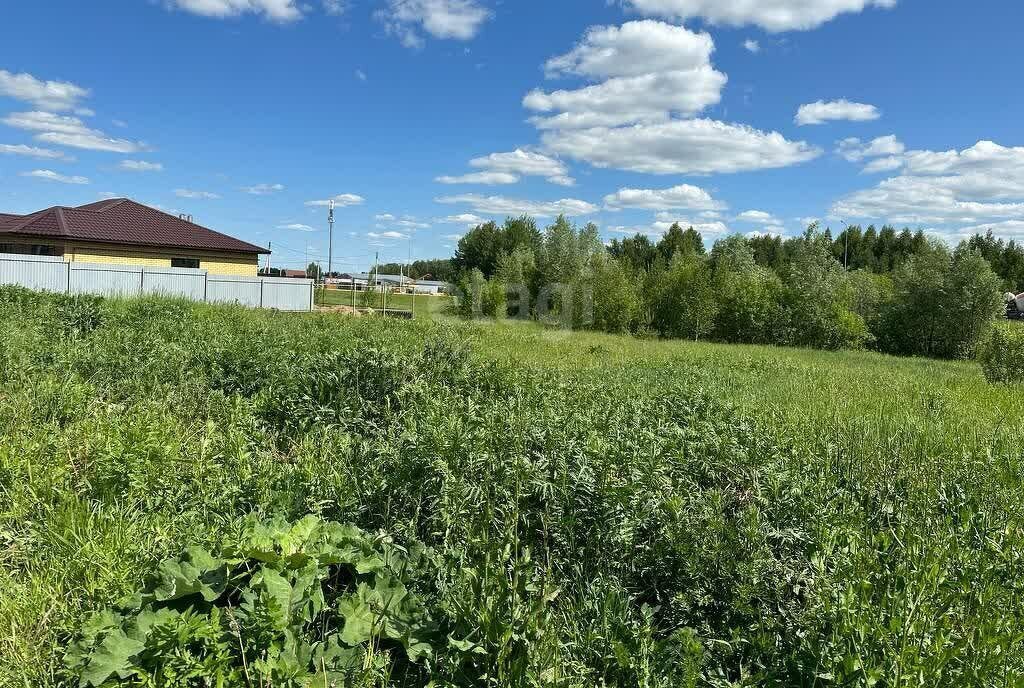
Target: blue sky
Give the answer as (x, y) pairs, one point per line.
(422, 117)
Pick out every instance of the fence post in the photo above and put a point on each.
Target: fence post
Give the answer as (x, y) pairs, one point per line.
(206, 287)
(261, 292)
(68, 266)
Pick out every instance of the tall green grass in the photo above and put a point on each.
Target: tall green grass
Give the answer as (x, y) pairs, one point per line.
(603, 511)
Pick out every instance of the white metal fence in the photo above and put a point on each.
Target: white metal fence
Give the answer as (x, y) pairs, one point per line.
(44, 273)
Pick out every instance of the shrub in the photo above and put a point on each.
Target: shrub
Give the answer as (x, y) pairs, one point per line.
(310, 603)
(1001, 354)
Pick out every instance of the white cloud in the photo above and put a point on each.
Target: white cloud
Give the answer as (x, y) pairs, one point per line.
(759, 217)
(821, 112)
(385, 217)
(527, 164)
(274, 10)
(32, 152)
(341, 201)
(447, 19)
(189, 193)
(452, 237)
(633, 49)
(467, 219)
(263, 189)
(411, 223)
(70, 131)
(752, 46)
(46, 95)
(1013, 229)
(682, 197)
(888, 164)
(499, 205)
(855, 150)
(646, 70)
(297, 227)
(507, 168)
(771, 15)
(361, 75)
(335, 8)
(51, 176)
(980, 184)
(486, 178)
(698, 146)
(387, 235)
(140, 166)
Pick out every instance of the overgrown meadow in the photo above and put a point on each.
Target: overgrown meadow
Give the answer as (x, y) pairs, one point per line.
(207, 496)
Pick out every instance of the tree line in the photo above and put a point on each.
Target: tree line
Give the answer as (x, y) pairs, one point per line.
(897, 292)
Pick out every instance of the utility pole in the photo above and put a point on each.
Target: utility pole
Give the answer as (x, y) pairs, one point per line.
(330, 245)
(269, 244)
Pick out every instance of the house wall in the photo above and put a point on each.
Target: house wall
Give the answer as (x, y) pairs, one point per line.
(240, 265)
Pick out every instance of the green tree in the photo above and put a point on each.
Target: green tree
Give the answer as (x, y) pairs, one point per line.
(678, 242)
(616, 297)
(684, 302)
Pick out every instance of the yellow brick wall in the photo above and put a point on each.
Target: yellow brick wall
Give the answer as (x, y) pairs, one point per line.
(214, 263)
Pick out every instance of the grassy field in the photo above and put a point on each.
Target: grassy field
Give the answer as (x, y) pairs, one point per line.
(599, 511)
(425, 306)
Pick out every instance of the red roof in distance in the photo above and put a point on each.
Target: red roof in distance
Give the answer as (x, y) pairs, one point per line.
(123, 222)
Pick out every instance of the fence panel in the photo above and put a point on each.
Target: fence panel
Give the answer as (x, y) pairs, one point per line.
(42, 273)
(184, 283)
(45, 273)
(287, 294)
(245, 291)
(102, 279)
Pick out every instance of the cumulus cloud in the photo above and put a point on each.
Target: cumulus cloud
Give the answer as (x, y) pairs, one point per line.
(64, 130)
(189, 193)
(263, 189)
(855, 150)
(944, 189)
(51, 176)
(759, 217)
(467, 219)
(698, 146)
(485, 178)
(508, 168)
(45, 95)
(297, 227)
(682, 197)
(274, 10)
(647, 70)
(752, 46)
(771, 15)
(341, 201)
(447, 19)
(888, 164)
(821, 112)
(499, 205)
(32, 152)
(140, 166)
(387, 235)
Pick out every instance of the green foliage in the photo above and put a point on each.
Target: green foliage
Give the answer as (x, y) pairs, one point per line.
(944, 304)
(309, 603)
(1001, 354)
(600, 511)
(684, 303)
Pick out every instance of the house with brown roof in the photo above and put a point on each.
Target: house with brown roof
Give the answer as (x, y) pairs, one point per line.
(124, 232)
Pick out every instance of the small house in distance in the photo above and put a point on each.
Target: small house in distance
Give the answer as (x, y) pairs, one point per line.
(123, 232)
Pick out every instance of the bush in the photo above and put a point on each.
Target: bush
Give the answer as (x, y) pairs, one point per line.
(1001, 354)
(310, 603)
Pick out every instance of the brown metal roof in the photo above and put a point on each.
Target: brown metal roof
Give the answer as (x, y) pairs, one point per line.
(124, 222)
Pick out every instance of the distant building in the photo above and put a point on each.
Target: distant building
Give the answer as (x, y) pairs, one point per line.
(294, 274)
(432, 287)
(124, 232)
